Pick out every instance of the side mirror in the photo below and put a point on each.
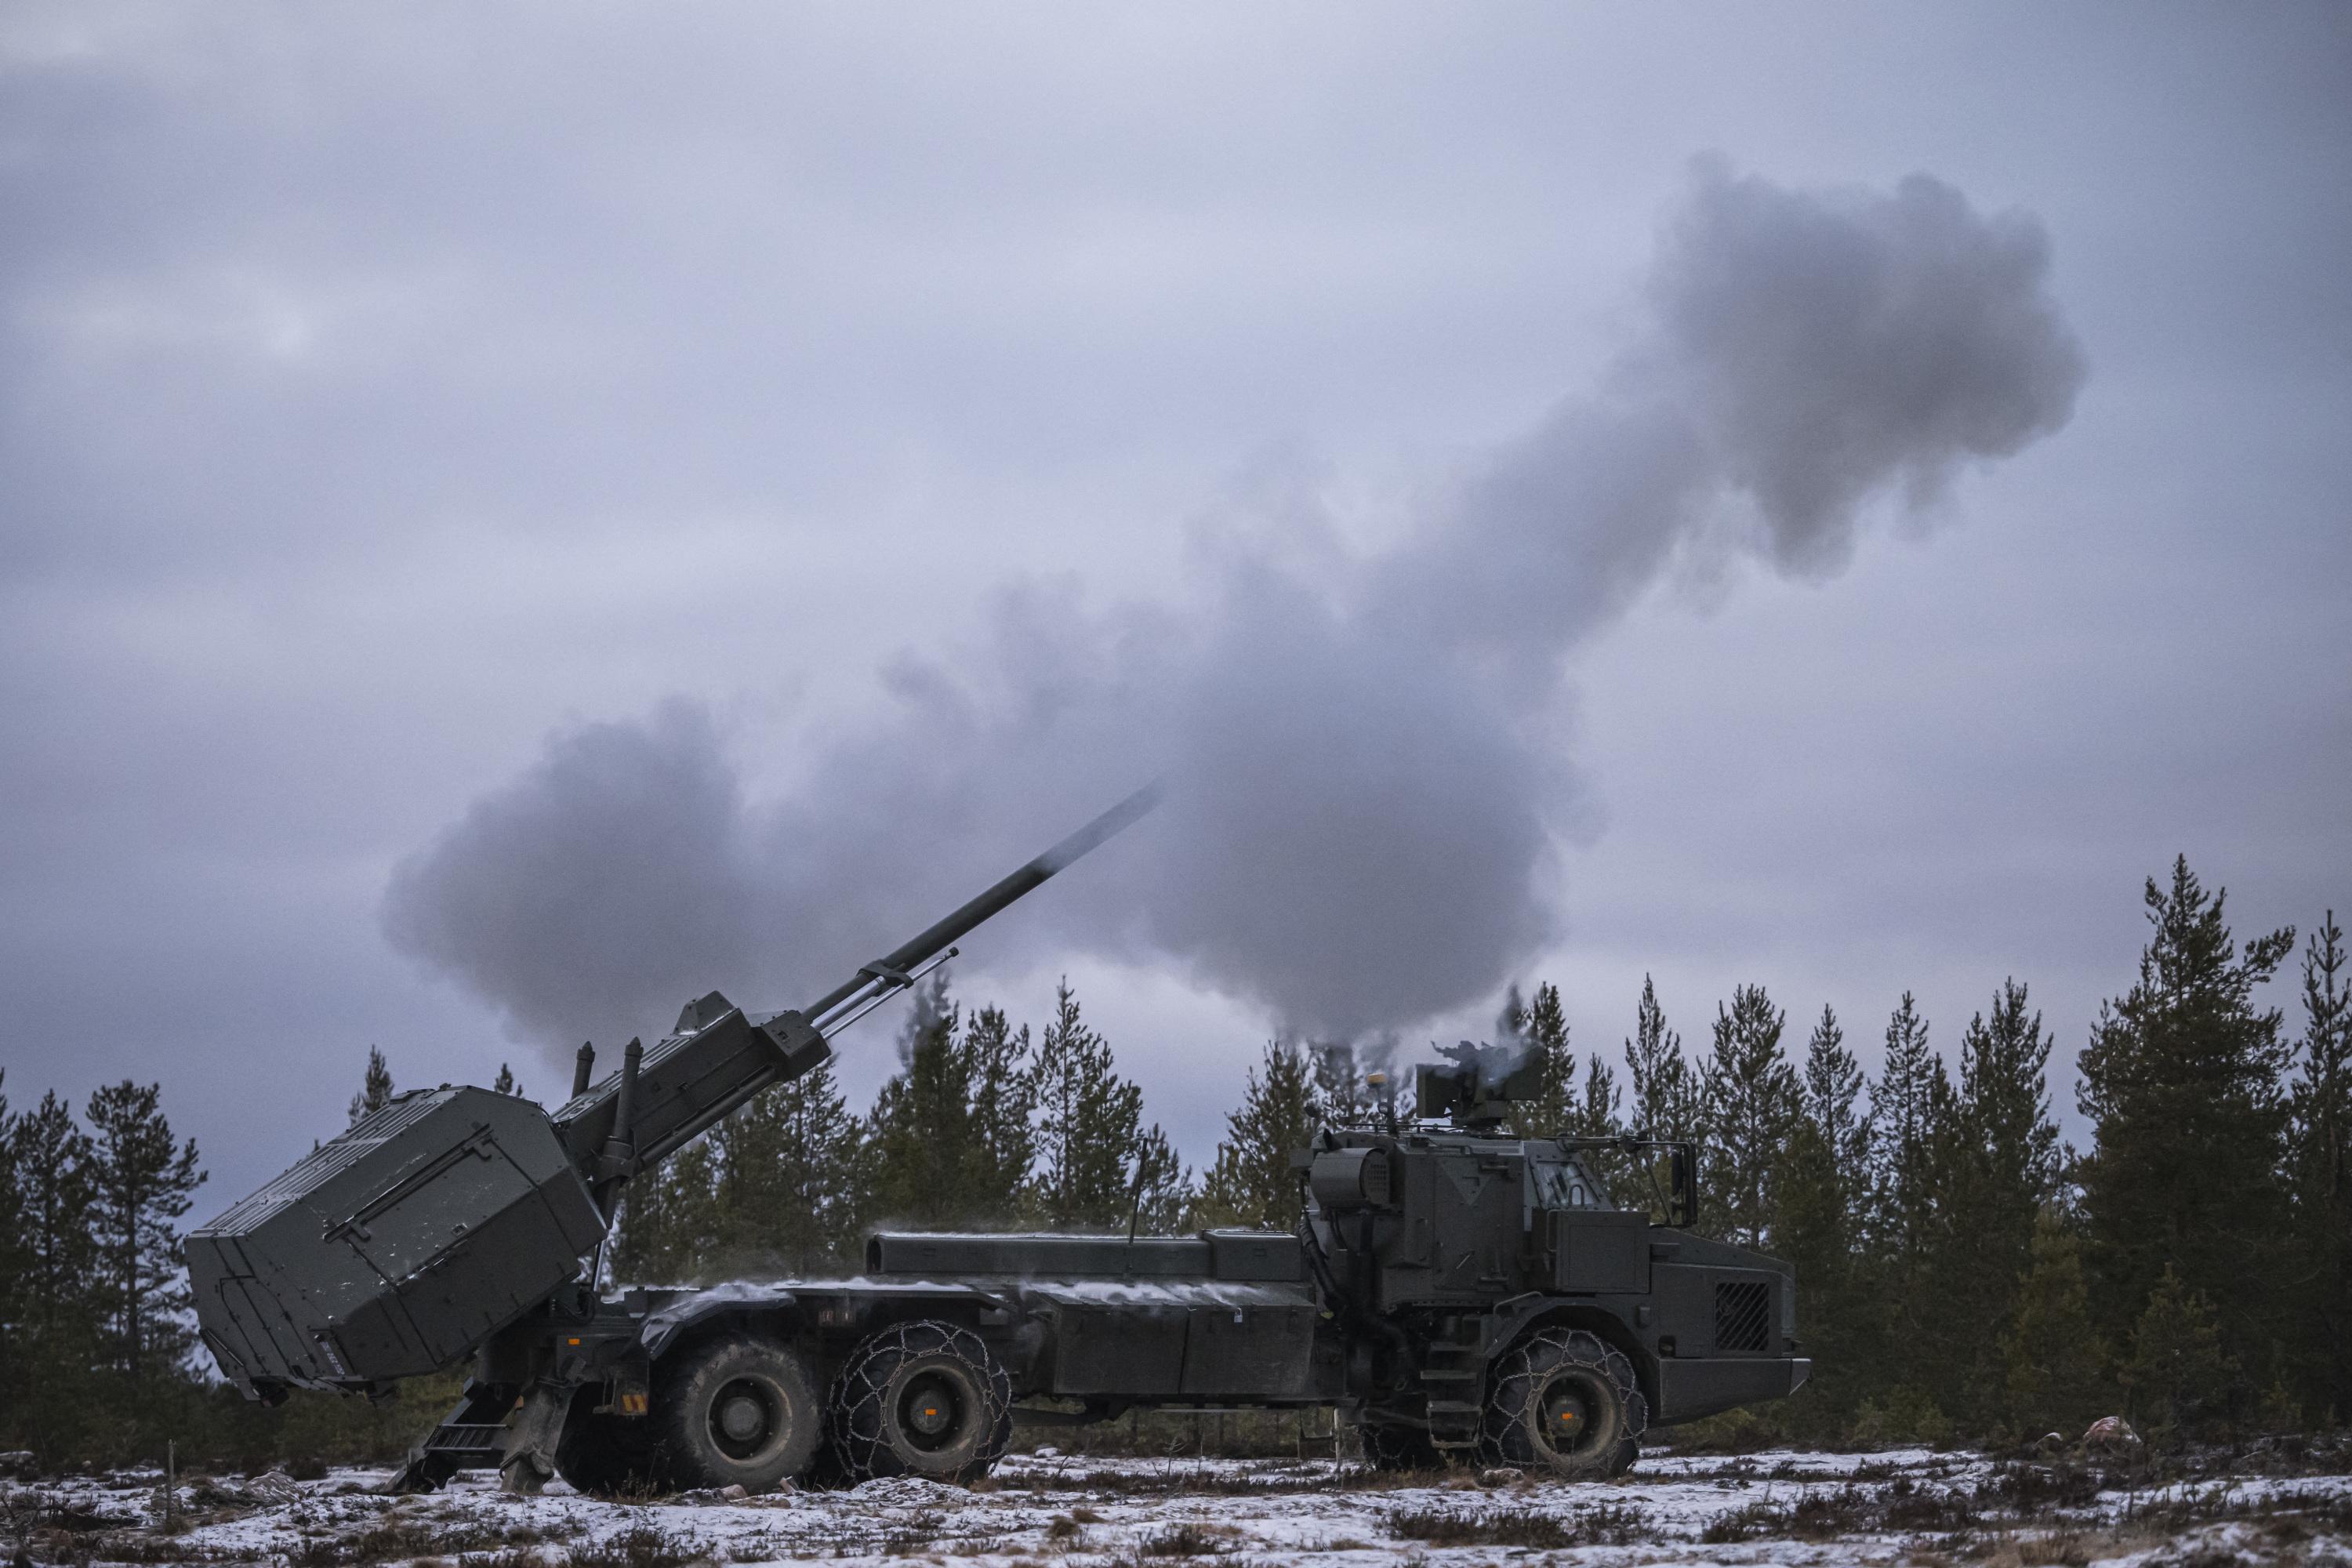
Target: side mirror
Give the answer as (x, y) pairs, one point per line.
(1682, 1185)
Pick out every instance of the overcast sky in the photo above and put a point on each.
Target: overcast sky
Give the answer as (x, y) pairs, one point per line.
(389, 396)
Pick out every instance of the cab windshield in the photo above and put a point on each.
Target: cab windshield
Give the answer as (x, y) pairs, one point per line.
(1562, 1184)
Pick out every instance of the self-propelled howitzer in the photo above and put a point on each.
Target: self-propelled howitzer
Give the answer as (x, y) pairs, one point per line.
(413, 1239)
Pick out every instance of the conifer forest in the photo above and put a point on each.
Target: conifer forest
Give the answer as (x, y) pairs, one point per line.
(1965, 1274)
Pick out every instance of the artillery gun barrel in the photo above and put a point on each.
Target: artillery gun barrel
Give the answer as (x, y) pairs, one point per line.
(897, 968)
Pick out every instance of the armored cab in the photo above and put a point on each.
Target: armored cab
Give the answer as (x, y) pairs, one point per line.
(1520, 1305)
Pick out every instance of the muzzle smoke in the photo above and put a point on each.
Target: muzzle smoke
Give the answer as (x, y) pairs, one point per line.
(1364, 781)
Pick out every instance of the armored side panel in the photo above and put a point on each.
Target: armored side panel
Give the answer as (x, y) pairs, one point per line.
(1129, 1348)
(1599, 1251)
(1258, 1256)
(1472, 1195)
(395, 1248)
(1166, 1340)
(1272, 1256)
(1249, 1349)
(1042, 1257)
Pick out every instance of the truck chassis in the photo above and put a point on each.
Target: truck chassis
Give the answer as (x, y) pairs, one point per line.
(1460, 1296)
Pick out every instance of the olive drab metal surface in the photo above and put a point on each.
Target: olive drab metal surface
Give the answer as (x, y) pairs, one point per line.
(395, 1247)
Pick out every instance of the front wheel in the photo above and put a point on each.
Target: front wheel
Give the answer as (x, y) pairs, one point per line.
(925, 1399)
(1566, 1405)
(738, 1411)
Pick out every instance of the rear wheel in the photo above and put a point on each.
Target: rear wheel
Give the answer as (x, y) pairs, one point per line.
(1566, 1405)
(739, 1411)
(923, 1399)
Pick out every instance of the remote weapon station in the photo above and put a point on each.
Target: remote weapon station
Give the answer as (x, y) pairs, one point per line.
(1459, 1293)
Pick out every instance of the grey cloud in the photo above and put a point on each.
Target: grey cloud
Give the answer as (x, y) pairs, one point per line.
(1834, 343)
(1365, 787)
(1806, 351)
(588, 886)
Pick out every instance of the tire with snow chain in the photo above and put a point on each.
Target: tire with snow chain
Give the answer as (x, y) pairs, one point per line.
(1394, 1445)
(1563, 1404)
(737, 1411)
(925, 1399)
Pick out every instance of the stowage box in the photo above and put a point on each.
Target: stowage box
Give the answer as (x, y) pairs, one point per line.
(397, 1248)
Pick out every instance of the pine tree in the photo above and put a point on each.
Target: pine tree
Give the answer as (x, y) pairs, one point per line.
(2320, 1172)
(1542, 1031)
(1597, 1111)
(52, 1159)
(1161, 1188)
(1832, 1091)
(2179, 1377)
(1904, 1109)
(1666, 1090)
(1749, 1096)
(2181, 1084)
(1251, 1181)
(1997, 1170)
(2005, 1107)
(376, 1089)
(669, 1221)
(13, 1262)
(1910, 1109)
(55, 1329)
(999, 1069)
(790, 1166)
(2055, 1362)
(1097, 1165)
(1823, 1192)
(505, 1083)
(140, 1185)
(921, 1133)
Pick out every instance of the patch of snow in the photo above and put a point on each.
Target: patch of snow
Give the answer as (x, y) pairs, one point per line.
(1090, 1512)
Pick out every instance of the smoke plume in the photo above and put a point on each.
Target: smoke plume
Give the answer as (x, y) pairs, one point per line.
(1364, 783)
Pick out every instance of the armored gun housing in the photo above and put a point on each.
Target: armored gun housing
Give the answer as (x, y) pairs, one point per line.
(1460, 1294)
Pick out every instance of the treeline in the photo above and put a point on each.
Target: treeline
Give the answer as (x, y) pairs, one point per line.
(93, 1313)
(1963, 1275)
(99, 1362)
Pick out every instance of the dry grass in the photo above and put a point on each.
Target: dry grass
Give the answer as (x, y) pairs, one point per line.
(1186, 1539)
(1603, 1524)
(1825, 1513)
(643, 1547)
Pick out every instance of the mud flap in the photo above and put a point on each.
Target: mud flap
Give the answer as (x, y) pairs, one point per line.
(529, 1461)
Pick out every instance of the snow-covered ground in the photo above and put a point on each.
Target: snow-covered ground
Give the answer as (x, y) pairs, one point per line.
(1771, 1508)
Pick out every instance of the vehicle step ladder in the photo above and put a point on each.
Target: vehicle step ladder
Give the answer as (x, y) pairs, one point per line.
(1454, 1385)
(472, 1437)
